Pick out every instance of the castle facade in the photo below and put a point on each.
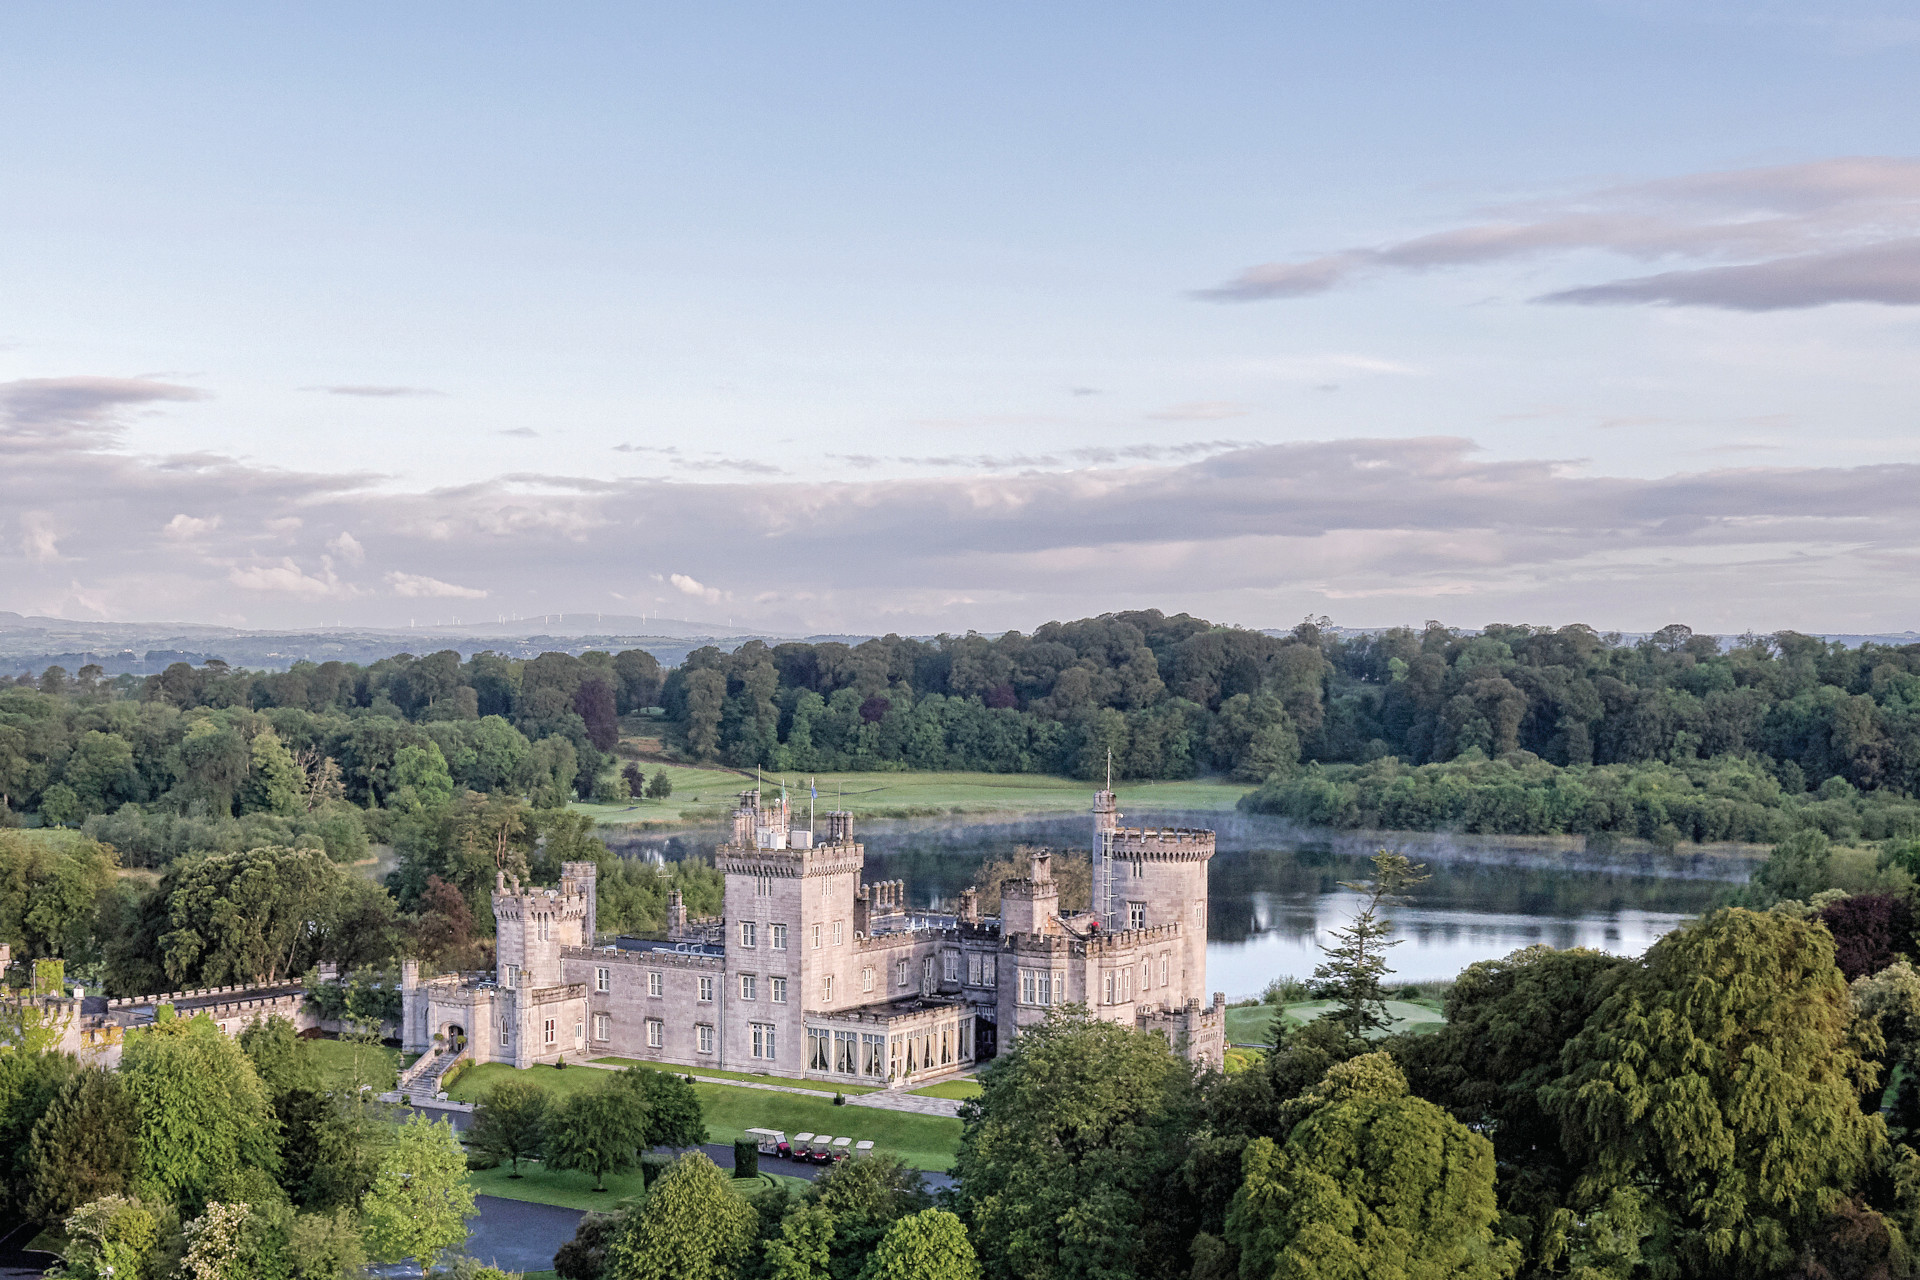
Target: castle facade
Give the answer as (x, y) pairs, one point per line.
(812, 973)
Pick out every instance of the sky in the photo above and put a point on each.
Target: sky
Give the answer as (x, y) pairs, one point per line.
(863, 317)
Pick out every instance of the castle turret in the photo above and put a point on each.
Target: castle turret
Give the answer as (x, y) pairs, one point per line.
(1028, 904)
(532, 926)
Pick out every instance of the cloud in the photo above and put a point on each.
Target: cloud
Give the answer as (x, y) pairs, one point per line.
(184, 527)
(1788, 236)
(376, 392)
(419, 586)
(1201, 411)
(1223, 528)
(287, 578)
(66, 412)
(692, 587)
(525, 433)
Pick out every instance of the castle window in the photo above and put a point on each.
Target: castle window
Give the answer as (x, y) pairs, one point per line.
(926, 973)
(973, 969)
(1029, 987)
(777, 936)
(703, 1037)
(946, 1045)
(746, 933)
(873, 1055)
(503, 1035)
(763, 886)
(602, 979)
(1110, 987)
(656, 1033)
(1146, 975)
(763, 1042)
(817, 1049)
(656, 983)
(950, 962)
(706, 990)
(846, 1052)
(826, 989)
(1139, 869)
(1136, 915)
(546, 927)
(815, 936)
(510, 975)
(747, 985)
(777, 990)
(602, 1027)
(1163, 970)
(1059, 989)
(838, 936)
(966, 1039)
(550, 1032)
(900, 973)
(1199, 913)
(866, 978)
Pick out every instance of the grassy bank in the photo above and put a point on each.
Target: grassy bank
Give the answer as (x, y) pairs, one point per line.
(822, 1086)
(706, 794)
(1253, 1024)
(570, 1189)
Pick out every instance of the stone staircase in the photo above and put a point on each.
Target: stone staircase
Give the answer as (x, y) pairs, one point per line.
(421, 1082)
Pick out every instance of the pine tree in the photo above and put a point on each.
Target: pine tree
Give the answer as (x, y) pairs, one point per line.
(1357, 961)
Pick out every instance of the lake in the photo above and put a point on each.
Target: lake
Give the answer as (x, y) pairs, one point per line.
(1275, 887)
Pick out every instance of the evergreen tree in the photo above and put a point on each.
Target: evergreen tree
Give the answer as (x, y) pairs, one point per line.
(1714, 1095)
(673, 1114)
(511, 1122)
(275, 784)
(930, 1245)
(660, 787)
(84, 1148)
(804, 1247)
(691, 1226)
(1356, 962)
(1371, 1183)
(419, 1203)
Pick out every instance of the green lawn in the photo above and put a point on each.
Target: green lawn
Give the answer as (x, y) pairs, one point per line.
(572, 1190)
(709, 792)
(959, 1089)
(925, 1142)
(1253, 1024)
(344, 1064)
(820, 1086)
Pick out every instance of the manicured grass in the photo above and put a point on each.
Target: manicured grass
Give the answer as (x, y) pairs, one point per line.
(925, 1142)
(710, 792)
(819, 1086)
(960, 1089)
(344, 1064)
(476, 1081)
(1253, 1025)
(572, 1190)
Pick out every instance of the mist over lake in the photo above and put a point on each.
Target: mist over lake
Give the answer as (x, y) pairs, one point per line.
(1275, 886)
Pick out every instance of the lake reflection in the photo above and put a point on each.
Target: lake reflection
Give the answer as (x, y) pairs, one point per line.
(1275, 889)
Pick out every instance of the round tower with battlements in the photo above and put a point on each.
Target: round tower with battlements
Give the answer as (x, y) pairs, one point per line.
(1145, 877)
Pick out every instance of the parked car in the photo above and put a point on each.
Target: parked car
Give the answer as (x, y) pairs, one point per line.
(801, 1143)
(822, 1150)
(772, 1142)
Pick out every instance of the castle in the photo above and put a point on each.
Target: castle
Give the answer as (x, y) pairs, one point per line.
(811, 973)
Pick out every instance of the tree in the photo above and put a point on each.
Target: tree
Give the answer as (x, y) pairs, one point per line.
(864, 1198)
(1370, 1183)
(84, 1148)
(930, 1245)
(115, 1238)
(30, 1080)
(1356, 961)
(1507, 1022)
(690, 1227)
(419, 1202)
(275, 782)
(248, 917)
(661, 787)
(1870, 931)
(207, 1127)
(635, 779)
(593, 703)
(598, 1132)
(584, 1257)
(1070, 1158)
(511, 1122)
(673, 1114)
(1719, 1084)
(803, 1248)
(217, 1244)
(1795, 870)
(639, 675)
